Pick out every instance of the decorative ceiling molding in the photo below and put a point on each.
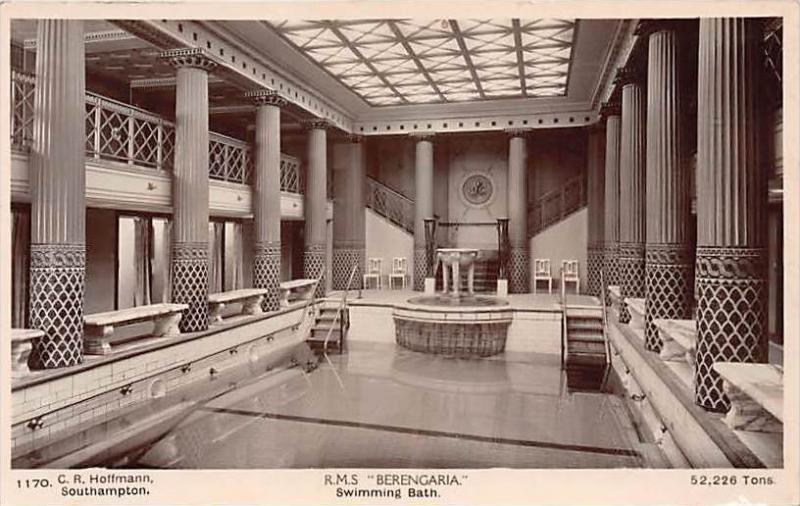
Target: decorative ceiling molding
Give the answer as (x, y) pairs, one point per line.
(166, 82)
(625, 41)
(92, 37)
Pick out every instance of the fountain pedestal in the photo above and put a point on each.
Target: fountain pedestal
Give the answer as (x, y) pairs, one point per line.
(455, 259)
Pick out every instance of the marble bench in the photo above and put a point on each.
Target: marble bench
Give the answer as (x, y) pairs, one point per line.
(21, 346)
(756, 395)
(297, 289)
(249, 297)
(636, 310)
(99, 328)
(678, 338)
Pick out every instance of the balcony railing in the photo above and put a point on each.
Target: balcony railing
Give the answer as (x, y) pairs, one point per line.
(122, 133)
(556, 205)
(390, 204)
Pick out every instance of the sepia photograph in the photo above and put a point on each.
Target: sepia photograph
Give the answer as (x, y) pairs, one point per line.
(394, 250)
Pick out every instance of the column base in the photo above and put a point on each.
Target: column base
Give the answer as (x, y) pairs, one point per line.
(343, 260)
(190, 283)
(57, 277)
(669, 273)
(314, 266)
(267, 273)
(420, 268)
(594, 264)
(731, 316)
(631, 275)
(519, 267)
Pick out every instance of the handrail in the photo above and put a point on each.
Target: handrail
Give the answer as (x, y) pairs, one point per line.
(390, 204)
(605, 336)
(390, 189)
(564, 333)
(555, 205)
(339, 311)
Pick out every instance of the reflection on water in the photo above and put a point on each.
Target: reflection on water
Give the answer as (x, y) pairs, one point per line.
(463, 300)
(398, 408)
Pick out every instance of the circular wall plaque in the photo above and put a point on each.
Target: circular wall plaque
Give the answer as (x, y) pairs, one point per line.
(477, 189)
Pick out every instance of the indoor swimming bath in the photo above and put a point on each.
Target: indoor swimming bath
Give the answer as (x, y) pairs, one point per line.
(381, 406)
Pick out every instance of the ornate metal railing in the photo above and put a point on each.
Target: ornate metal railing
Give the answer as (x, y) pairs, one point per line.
(291, 177)
(556, 205)
(229, 159)
(21, 109)
(390, 204)
(123, 133)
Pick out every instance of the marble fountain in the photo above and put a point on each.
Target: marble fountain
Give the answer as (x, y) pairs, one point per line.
(452, 322)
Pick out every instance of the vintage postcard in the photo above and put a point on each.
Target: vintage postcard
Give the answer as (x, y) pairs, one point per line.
(384, 253)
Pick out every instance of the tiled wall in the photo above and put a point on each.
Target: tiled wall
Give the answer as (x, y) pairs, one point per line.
(68, 403)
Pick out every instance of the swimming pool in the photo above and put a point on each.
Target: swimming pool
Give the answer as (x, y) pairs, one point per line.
(381, 406)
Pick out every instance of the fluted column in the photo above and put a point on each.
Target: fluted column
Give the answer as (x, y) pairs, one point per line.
(611, 113)
(315, 201)
(349, 225)
(190, 186)
(669, 270)
(731, 205)
(632, 190)
(519, 264)
(423, 203)
(596, 190)
(58, 223)
(267, 196)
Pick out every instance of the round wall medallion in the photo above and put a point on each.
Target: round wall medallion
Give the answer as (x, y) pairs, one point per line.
(477, 189)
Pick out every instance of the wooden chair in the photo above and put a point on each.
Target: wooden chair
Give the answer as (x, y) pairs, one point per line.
(399, 270)
(541, 272)
(570, 274)
(374, 271)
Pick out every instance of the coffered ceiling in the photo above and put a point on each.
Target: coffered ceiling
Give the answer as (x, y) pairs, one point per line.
(410, 61)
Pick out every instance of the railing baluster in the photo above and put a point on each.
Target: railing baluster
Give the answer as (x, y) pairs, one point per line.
(97, 128)
(131, 138)
(159, 146)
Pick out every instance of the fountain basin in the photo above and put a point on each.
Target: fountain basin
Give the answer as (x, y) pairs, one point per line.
(463, 327)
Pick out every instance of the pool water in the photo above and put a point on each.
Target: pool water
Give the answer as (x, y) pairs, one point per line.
(382, 406)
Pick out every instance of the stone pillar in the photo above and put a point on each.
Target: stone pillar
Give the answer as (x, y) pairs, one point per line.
(611, 113)
(423, 203)
(267, 196)
(669, 270)
(349, 202)
(315, 203)
(190, 186)
(58, 209)
(631, 189)
(731, 205)
(519, 258)
(595, 190)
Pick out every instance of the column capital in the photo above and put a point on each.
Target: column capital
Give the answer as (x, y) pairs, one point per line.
(646, 27)
(422, 136)
(629, 75)
(517, 132)
(266, 97)
(191, 57)
(611, 108)
(316, 124)
(354, 138)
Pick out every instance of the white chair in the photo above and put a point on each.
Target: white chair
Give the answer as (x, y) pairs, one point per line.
(570, 274)
(374, 271)
(541, 272)
(399, 270)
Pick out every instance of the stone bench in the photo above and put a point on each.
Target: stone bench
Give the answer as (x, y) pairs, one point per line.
(678, 339)
(99, 328)
(249, 297)
(636, 310)
(756, 395)
(297, 289)
(21, 346)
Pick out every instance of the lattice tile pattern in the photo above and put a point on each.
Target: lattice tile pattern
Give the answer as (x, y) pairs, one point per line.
(631, 272)
(731, 316)
(343, 261)
(314, 266)
(420, 268)
(57, 276)
(519, 270)
(594, 264)
(267, 273)
(611, 267)
(670, 278)
(190, 283)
